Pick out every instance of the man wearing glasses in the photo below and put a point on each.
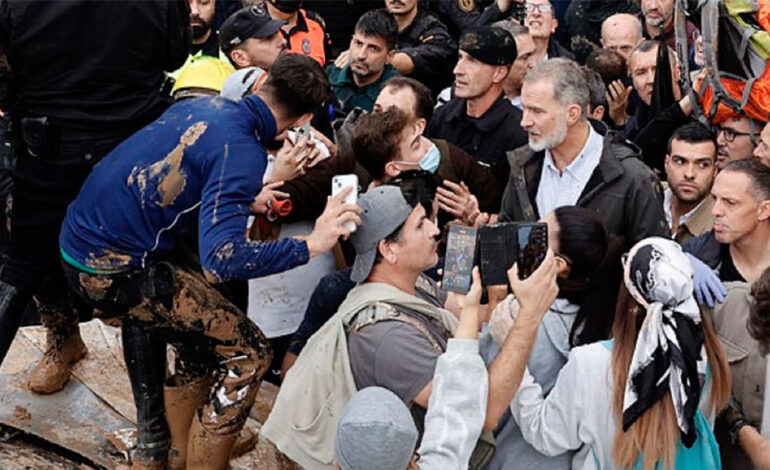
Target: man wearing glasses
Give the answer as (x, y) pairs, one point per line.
(542, 24)
(737, 137)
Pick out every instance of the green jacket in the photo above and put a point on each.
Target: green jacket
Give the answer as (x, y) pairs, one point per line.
(349, 95)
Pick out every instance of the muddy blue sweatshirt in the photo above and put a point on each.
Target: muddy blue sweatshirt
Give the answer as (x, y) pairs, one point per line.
(203, 156)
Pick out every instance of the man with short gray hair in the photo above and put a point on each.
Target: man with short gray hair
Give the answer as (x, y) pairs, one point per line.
(570, 161)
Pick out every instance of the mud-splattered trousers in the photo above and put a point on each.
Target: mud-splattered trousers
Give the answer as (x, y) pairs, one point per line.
(184, 309)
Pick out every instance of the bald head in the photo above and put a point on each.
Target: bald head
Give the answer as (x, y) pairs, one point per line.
(621, 33)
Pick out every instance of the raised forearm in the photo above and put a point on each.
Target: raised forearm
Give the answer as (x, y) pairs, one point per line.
(755, 446)
(507, 369)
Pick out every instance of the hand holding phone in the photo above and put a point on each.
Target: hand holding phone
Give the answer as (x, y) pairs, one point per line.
(340, 182)
(532, 244)
(459, 259)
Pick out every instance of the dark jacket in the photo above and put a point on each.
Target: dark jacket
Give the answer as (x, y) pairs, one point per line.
(622, 190)
(432, 49)
(706, 248)
(486, 138)
(555, 49)
(94, 65)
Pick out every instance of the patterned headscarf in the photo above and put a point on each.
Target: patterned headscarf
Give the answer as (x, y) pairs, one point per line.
(669, 354)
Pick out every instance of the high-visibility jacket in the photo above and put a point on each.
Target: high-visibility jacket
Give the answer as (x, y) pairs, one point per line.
(308, 36)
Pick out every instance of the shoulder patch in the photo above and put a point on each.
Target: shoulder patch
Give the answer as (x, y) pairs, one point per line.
(466, 5)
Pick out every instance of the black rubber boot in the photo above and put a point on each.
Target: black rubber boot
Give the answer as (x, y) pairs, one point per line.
(11, 310)
(146, 363)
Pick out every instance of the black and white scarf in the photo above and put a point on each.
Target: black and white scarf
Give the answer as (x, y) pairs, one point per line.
(669, 354)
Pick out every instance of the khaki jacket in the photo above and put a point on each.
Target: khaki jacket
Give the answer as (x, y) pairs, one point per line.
(304, 418)
(747, 366)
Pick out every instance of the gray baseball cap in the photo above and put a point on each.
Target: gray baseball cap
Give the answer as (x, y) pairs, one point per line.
(383, 210)
(376, 432)
(239, 83)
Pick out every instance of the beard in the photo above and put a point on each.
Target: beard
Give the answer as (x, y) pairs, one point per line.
(199, 30)
(550, 141)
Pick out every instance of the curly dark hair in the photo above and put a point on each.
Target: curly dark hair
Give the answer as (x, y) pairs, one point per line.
(759, 312)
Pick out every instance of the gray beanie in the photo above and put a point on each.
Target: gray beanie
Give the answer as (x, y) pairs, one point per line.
(376, 432)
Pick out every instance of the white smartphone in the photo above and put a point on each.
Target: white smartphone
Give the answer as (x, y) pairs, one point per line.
(340, 182)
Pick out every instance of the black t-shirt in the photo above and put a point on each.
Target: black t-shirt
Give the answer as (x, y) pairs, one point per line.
(209, 48)
(94, 65)
(727, 270)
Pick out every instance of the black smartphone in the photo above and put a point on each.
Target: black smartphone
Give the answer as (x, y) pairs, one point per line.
(459, 259)
(497, 252)
(532, 240)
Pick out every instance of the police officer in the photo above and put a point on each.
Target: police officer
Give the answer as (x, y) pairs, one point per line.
(86, 84)
(469, 15)
(425, 49)
(305, 30)
(480, 119)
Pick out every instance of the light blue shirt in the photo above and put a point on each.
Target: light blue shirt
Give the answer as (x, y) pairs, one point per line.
(563, 188)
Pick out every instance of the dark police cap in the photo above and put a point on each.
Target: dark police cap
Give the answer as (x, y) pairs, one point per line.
(249, 22)
(491, 45)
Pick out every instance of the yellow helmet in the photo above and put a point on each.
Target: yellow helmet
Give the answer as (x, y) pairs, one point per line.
(203, 73)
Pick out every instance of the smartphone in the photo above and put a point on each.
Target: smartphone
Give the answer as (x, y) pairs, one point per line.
(497, 252)
(532, 240)
(459, 259)
(340, 182)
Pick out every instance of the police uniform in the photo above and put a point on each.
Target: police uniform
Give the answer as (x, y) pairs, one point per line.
(430, 46)
(308, 36)
(487, 137)
(465, 15)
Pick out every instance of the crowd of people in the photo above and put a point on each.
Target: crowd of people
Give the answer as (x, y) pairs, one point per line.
(175, 167)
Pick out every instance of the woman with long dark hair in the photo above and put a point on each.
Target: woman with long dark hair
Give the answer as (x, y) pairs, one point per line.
(588, 261)
(638, 400)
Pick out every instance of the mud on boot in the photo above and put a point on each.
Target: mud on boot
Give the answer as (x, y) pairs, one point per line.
(54, 369)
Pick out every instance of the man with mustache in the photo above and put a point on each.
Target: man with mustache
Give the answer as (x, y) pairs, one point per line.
(690, 170)
(658, 17)
(204, 39)
(480, 119)
(357, 84)
(737, 138)
(571, 161)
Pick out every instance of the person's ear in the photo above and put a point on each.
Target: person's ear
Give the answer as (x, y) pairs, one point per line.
(573, 114)
(421, 124)
(388, 251)
(764, 210)
(239, 57)
(598, 113)
(392, 170)
(554, 23)
(562, 267)
(391, 53)
(500, 73)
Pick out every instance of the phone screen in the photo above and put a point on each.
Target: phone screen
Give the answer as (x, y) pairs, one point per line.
(459, 259)
(533, 244)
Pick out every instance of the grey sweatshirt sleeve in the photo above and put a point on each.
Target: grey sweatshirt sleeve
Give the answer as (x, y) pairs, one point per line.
(456, 409)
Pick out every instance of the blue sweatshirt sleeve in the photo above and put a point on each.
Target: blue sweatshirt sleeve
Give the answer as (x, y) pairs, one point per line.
(231, 181)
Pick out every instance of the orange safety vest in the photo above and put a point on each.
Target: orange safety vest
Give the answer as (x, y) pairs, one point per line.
(308, 36)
